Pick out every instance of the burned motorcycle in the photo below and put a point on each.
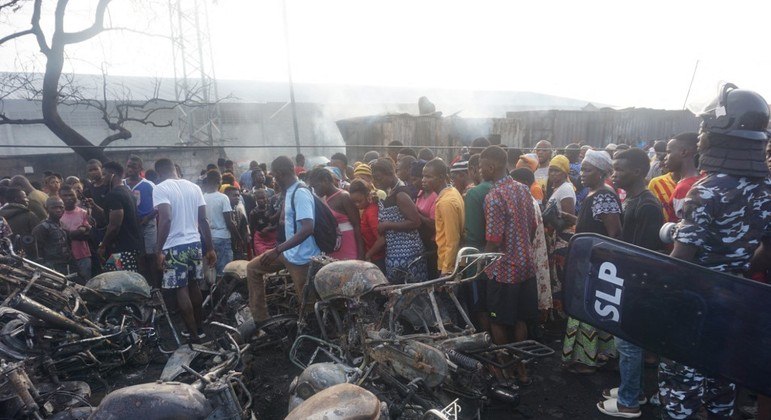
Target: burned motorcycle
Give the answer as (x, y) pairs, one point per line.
(45, 319)
(412, 345)
(218, 393)
(21, 397)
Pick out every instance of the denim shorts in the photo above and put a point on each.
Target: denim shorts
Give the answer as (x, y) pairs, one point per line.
(224, 250)
(182, 263)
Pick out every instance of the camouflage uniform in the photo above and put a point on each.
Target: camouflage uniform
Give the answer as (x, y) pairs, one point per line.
(683, 390)
(724, 218)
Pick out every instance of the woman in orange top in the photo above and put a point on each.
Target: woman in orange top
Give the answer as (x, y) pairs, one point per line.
(531, 162)
(374, 244)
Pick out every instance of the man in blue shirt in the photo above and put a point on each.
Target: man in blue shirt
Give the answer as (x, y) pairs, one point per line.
(246, 178)
(296, 252)
(142, 191)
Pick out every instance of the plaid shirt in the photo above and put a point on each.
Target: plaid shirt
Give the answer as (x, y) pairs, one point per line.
(510, 222)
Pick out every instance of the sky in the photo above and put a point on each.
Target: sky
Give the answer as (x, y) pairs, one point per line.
(622, 53)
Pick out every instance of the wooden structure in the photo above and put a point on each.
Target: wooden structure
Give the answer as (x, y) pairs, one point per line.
(596, 127)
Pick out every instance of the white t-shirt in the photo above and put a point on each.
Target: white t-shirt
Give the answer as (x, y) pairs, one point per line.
(541, 174)
(562, 192)
(217, 203)
(185, 198)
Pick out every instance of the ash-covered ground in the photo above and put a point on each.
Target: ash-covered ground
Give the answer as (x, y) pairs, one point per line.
(554, 394)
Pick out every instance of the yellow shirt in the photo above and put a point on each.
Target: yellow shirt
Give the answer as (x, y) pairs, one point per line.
(662, 187)
(449, 227)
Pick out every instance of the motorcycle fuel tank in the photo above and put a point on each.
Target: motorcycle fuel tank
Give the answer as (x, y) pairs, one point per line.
(316, 377)
(348, 279)
(154, 401)
(125, 286)
(340, 402)
(236, 269)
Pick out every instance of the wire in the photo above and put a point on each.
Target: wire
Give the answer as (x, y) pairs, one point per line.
(243, 146)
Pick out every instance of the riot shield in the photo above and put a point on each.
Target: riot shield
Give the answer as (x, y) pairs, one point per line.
(712, 321)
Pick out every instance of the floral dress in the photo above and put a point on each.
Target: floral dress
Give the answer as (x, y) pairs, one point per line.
(583, 343)
(541, 262)
(557, 245)
(402, 247)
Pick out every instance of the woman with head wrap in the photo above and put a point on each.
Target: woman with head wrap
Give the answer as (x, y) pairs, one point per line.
(585, 347)
(364, 172)
(563, 197)
(530, 161)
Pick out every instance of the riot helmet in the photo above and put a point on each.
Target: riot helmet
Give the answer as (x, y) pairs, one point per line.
(737, 113)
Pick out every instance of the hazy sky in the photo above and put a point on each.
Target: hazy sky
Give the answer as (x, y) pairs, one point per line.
(624, 53)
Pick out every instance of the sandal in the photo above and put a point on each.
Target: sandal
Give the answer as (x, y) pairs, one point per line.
(613, 393)
(579, 369)
(610, 407)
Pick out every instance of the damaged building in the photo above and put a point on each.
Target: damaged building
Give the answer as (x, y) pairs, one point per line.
(590, 125)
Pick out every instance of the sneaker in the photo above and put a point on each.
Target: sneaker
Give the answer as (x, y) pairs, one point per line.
(186, 334)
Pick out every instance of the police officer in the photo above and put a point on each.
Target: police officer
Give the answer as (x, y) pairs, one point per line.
(723, 227)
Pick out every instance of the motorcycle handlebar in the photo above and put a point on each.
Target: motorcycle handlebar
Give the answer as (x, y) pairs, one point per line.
(467, 257)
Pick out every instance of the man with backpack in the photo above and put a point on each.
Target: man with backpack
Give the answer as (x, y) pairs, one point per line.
(300, 221)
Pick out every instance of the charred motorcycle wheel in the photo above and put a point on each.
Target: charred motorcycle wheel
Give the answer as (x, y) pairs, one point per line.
(113, 313)
(279, 330)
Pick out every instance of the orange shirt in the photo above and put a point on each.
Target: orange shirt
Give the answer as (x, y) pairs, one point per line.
(536, 191)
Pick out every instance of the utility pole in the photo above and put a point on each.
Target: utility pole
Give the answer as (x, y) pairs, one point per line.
(194, 78)
(291, 83)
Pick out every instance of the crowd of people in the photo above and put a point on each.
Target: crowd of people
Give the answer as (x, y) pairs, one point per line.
(409, 212)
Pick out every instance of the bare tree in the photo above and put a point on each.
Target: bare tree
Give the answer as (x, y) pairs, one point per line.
(57, 89)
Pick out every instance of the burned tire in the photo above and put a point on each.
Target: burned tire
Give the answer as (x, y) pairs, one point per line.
(279, 330)
(114, 312)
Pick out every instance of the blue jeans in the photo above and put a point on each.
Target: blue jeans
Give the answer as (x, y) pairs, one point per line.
(630, 365)
(224, 251)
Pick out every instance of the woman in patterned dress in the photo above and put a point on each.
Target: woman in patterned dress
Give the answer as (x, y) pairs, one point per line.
(398, 220)
(585, 348)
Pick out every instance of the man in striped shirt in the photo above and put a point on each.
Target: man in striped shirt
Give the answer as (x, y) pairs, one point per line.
(662, 187)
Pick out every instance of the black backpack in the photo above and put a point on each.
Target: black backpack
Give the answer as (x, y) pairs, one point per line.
(326, 233)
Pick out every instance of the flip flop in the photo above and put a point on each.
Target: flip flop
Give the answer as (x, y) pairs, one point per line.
(610, 407)
(613, 393)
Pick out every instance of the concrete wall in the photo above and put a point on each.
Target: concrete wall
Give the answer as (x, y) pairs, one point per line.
(191, 162)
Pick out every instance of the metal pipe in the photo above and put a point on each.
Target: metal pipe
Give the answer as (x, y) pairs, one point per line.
(25, 304)
(437, 314)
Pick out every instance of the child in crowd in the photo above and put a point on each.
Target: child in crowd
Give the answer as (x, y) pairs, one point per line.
(53, 248)
(261, 225)
(75, 222)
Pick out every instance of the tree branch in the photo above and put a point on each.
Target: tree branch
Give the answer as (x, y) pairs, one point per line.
(95, 29)
(16, 35)
(135, 31)
(122, 134)
(5, 120)
(37, 30)
(14, 4)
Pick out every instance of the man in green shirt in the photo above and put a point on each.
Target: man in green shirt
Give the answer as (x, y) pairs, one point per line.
(474, 236)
